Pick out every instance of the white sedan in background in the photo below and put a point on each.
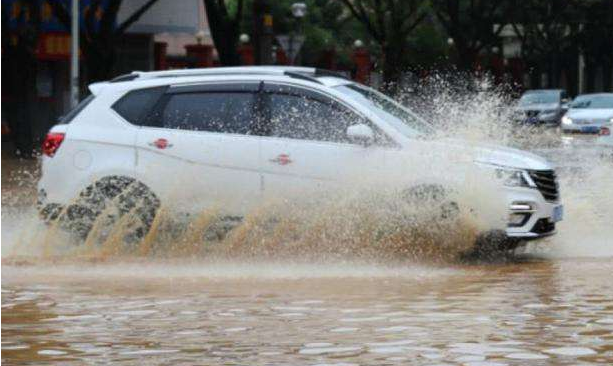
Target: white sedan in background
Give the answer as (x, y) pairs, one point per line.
(588, 113)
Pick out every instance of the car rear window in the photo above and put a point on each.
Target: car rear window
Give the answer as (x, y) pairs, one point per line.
(135, 105)
(68, 117)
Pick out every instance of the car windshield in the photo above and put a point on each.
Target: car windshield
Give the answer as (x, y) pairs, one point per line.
(593, 102)
(539, 97)
(408, 123)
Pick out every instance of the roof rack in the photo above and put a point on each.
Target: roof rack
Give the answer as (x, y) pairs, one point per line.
(332, 73)
(305, 73)
(303, 76)
(124, 77)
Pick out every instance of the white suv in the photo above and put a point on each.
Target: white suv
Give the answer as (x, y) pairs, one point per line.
(200, 137)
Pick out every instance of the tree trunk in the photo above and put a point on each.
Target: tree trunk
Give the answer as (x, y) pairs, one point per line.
(466, 57)
(607, 73)
(393, 65)
(19, 82)
(570, 70)
(227, 46)
(99, 60)
(224, 32)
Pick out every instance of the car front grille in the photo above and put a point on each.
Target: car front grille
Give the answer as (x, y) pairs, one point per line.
(547, 183)
(532, 113)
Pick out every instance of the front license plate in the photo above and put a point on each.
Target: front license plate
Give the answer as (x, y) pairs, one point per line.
(558, 213)
(590, 129)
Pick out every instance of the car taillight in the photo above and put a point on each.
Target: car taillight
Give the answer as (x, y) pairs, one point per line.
(52, 143)
(604, 131)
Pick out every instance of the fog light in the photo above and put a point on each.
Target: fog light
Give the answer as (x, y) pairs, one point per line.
(518, 219)
(521, 207)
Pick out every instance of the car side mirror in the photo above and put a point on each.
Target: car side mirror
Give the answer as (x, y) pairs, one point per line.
(361, 134)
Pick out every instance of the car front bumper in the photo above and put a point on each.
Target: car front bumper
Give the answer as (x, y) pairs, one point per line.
(531, 216)
(576, 128)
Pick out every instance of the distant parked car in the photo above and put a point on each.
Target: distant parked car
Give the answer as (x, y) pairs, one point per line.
(539, 107)
(588, 113)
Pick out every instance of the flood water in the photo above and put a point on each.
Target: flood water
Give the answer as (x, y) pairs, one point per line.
(538, 311)
(551, 304)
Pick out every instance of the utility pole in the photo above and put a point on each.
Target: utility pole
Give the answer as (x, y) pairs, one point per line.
(580, 68)
(74, 55)
(262, 34)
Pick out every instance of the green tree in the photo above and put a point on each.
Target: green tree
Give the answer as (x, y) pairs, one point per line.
(548, 35)
(470, 23)
(389, 23)
(595, 40)
(326, 26)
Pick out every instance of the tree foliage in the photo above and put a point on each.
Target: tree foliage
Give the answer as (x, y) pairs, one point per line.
(389, 23)
(470, 24)
(553, 34)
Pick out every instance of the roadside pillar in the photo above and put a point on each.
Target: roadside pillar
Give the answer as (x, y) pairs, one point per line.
(498, 68)
(201, 55)
(246, 54)
(328, 59)
(159, 52)
(361, 58)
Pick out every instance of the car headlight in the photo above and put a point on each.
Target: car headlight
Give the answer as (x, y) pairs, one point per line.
(567, 120)
(511, 177)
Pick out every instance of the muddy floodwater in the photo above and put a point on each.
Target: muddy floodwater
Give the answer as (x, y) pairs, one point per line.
(536, 311)
(550, 304)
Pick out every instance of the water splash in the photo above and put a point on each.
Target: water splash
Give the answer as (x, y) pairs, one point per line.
(366, 226)
(370, 227)
(587, 194)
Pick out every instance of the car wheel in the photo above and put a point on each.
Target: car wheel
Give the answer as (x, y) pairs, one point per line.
(109, 202)
(491, 246)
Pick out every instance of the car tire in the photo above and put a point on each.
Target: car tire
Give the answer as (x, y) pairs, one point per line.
(492, 246)
(105, 203)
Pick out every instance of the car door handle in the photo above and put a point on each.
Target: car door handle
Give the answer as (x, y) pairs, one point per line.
(281, 159)
(160, 143)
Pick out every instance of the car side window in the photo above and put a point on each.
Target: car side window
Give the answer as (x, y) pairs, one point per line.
(222, 112)
(135, 105)
(304, 118)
